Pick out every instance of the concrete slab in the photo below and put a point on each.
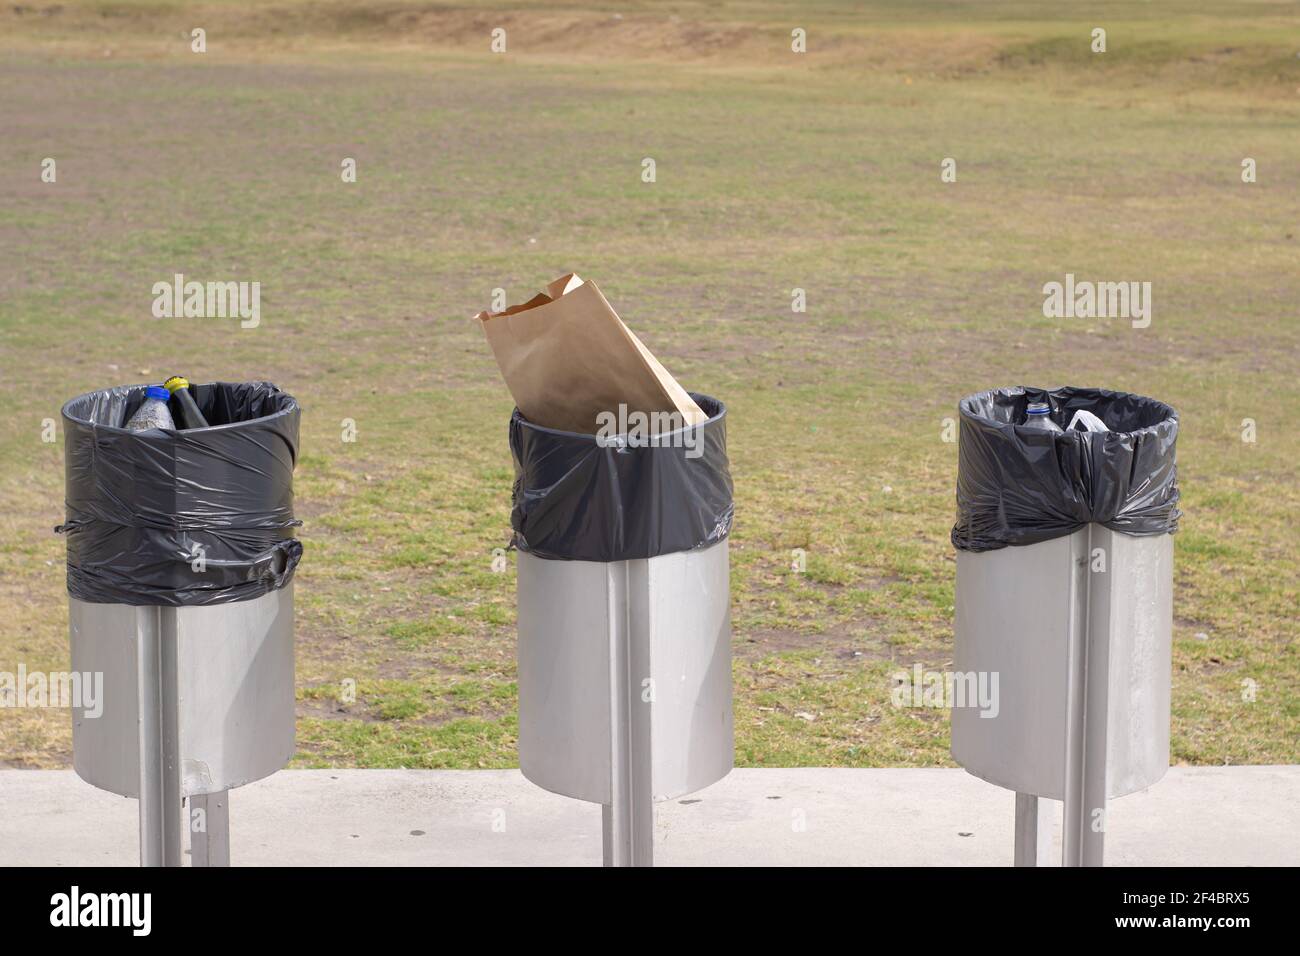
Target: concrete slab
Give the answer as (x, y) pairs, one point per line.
(1197, 816)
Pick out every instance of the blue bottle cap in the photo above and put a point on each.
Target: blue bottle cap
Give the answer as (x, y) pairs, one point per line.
(158, 392)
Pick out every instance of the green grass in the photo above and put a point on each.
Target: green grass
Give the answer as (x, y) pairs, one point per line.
(774, 171)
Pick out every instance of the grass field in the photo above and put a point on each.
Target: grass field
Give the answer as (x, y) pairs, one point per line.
(774, 170)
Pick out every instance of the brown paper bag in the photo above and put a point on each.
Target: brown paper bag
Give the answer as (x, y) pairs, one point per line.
(567, 357)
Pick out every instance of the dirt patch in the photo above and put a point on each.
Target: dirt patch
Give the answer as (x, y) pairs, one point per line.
(324, 709)
(871, 39)
(333, 710)
(849, 643)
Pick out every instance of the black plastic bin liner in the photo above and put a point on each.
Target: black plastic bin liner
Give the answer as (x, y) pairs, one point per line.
(1018, 486)
(139, 502)
(576, 499)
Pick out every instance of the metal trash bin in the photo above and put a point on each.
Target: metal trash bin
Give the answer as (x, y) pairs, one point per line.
(181, 558)
(624, 661)
(1065, 592)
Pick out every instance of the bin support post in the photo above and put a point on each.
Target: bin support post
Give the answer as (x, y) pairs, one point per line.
(162, 830)
(210, 844)
(1087, 695)
(627, 821)
(1033, 832)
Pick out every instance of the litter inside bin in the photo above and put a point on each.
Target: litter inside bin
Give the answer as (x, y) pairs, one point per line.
(1086, 421)
(570, 362)
(187, 412)
(181, 518)
(1018, 485)
(153, 411)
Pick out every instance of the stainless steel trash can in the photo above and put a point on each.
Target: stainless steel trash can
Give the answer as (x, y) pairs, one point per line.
(1075, 624)
(635, 651)
(180, 568)
(624, 666)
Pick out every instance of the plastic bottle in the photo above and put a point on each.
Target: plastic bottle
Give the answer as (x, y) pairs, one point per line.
(153, 413)
(1039, 417)
(187, 412)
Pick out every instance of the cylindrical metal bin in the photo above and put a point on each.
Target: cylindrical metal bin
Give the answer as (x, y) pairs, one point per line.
(234, 703)
(625, 690)
(660, 629)
(181, 558)
(1064, 604)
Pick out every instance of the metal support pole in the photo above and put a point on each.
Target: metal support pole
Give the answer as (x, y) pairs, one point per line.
(1087, 696)
(210, 829)
(1033, 832)
(627, 822)
(161, 825)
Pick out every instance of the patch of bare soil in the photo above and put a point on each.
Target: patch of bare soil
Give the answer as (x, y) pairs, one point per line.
(569, 32)
(577, 34)
(859, 39)
(333, 710)
(846, 643)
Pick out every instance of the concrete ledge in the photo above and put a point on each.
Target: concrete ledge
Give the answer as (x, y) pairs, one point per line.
(1197, 816)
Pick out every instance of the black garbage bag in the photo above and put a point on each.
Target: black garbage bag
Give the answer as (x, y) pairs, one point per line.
(1018, 486)
(181, 518)
(580, 498)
